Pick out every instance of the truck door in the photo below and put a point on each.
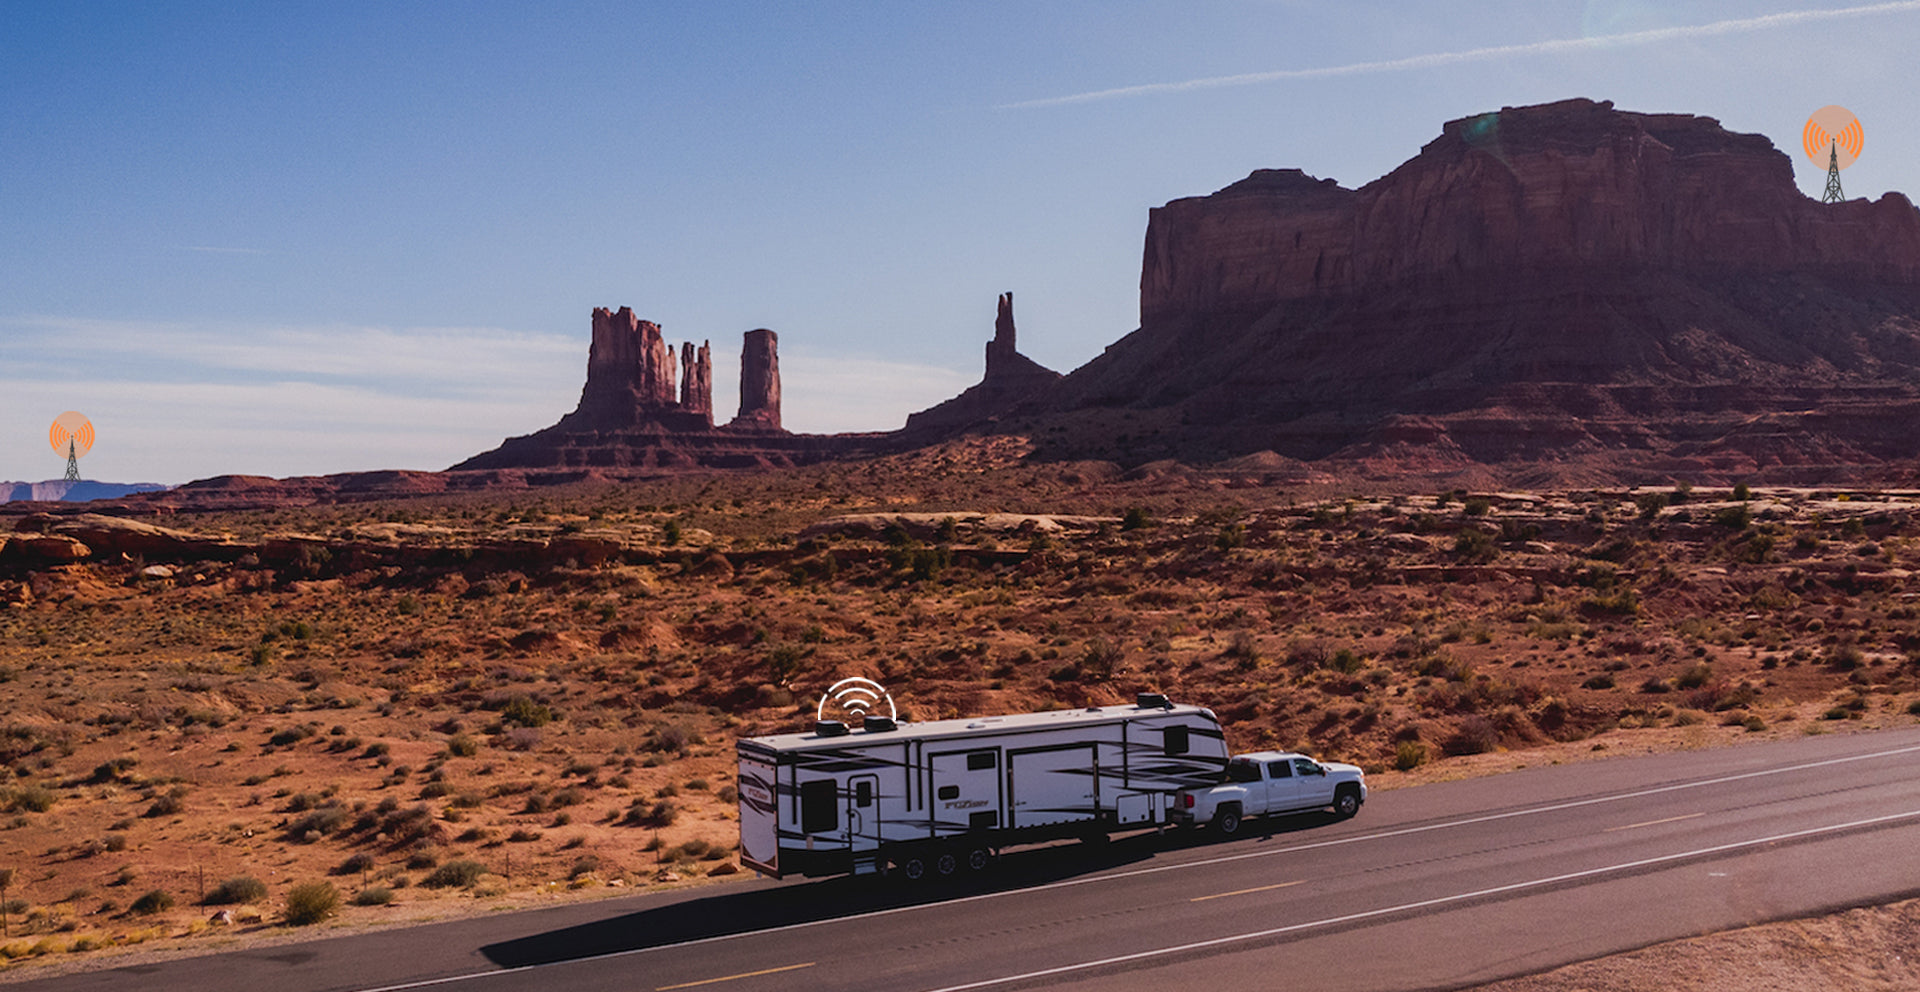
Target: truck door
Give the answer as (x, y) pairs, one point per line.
(1283, 787)
(1315, 789)
(966, 791)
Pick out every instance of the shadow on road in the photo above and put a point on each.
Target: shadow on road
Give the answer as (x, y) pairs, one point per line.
(728, 913)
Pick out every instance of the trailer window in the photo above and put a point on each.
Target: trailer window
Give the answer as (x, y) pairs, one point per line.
(948, 792)
(981, 760)
(819, 807)
(863, 793)
(1174, 740)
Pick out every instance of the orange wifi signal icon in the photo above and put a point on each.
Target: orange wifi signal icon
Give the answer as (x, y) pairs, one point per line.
(71, 426)
(1832, 130)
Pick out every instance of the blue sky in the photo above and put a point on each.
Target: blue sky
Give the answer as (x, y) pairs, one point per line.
(296, 238)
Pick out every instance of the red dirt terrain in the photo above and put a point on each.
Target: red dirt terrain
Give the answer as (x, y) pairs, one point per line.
(511, 696)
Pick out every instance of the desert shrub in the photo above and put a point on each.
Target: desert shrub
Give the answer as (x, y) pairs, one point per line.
(1741, 492)
(311, 902)
(1408, 755)
(1694, 677)
(318, 823)
(1475, 735)
(1654, 685)
(1344, 661)
(783, 661)
(1602, 681)
(462, 746)
(1844, 658)
(1650, 504)
(354, 864)
(1476, 546)
(1101, 659)
(668, 738)
(1476, 506)
(238, 889)
(525, 712)
(458, 873)
(151, 902)
(166, 805)
(32, 799)
(376, 895)
(1734, 517)
(660, 814)
(1135, 518)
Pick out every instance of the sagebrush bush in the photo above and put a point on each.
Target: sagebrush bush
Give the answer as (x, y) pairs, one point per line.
(378, 895)
(458, 873)
(151, 902)
(239, 889)
(311, 902)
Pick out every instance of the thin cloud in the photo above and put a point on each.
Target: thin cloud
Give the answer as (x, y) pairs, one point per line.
(1648, 37)
(225, 251)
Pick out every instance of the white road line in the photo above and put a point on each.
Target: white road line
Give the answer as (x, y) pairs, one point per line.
(1653, 823)
(1089, 880)
(1423, 904)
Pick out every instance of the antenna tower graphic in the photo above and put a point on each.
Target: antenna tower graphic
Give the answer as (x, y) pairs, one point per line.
(71, 435)
(1832, 129)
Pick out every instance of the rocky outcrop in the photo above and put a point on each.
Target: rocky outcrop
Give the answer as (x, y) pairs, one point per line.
(759, 382)
(696, 380)
(630, 373)
(1574, 184)
(1561, 285)
(629, 421)
(1011, 380)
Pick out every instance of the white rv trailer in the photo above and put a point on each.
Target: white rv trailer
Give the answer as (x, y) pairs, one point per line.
(941, 797)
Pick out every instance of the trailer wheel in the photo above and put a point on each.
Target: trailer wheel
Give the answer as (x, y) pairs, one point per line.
(946, 863)
(1226, 822)
(978, 858)
(914, 867)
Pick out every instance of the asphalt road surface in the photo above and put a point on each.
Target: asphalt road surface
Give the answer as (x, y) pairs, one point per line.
(1433, 887)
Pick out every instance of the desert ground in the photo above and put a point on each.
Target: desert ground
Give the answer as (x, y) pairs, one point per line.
(361, 713)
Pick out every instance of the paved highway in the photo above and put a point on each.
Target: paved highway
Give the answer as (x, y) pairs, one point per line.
(1435, 887)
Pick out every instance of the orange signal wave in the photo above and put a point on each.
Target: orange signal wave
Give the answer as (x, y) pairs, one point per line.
(1851, 138)
(1815, 139)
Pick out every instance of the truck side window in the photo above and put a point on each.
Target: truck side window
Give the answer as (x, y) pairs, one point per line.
(1279, 769)
(1308, 766)
(1243, 771)
(819, 806)
(980, 760)
(1174, 740)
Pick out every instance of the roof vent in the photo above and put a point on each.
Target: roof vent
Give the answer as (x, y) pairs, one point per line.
(1153, 701)
(830, 728)
(875, 723)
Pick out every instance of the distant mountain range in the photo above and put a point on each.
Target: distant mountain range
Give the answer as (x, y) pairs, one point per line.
(70, 491)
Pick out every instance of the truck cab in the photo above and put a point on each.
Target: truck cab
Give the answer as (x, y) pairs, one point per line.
(1266, 783)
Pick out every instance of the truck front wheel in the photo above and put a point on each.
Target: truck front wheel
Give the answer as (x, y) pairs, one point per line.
(1226, 822)
(1346, 802)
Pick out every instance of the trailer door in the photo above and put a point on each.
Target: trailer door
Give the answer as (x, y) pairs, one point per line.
(863, 814)
(1053, 785)
(966, 790)
(759, 814)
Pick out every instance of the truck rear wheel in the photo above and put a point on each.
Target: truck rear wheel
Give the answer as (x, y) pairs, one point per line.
(1226, 822)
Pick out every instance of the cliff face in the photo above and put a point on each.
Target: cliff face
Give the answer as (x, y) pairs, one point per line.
(1567, 185)
(1564, 284)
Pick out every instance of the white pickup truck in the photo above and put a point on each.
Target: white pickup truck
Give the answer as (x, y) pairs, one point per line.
(1269, 782)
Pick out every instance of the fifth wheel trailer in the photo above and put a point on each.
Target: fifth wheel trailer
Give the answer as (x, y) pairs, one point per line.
(939, 797)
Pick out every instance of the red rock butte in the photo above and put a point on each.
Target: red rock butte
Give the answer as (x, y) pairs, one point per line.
(630, 416)
(1564, 291)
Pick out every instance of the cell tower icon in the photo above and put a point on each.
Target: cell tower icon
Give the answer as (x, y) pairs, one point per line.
(71, 435)
(1832, 129)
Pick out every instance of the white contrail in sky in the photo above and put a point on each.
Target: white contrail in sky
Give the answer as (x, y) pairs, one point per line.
(1780, 20)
